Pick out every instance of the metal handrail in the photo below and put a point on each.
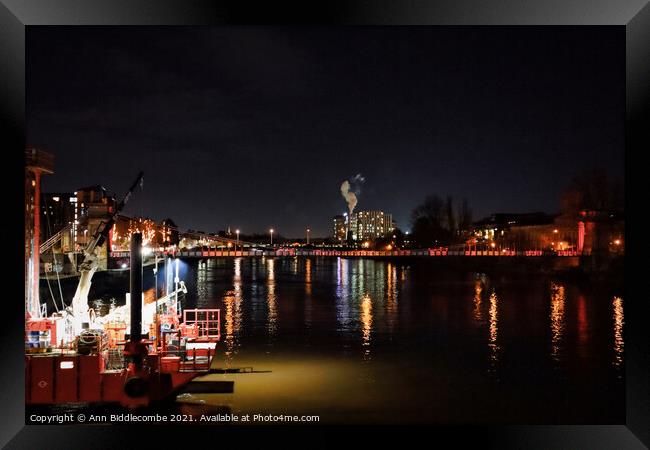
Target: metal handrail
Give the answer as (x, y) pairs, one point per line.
(45, 246)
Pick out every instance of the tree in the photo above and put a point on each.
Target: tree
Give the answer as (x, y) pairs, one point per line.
(449, 216)
(434, 223)
(594, 190)
(431, 210)
(464, 216)
(399, 237)
(170, 233)
(429, 222)
(424, 232)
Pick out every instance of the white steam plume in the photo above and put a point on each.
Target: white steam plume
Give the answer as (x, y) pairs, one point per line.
(349, 196)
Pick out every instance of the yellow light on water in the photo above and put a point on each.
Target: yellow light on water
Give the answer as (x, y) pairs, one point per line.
(558, 298)
(618, 331)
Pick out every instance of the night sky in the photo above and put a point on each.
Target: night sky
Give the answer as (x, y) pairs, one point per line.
(258, 127)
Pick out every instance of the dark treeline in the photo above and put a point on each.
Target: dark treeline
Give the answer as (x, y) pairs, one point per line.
(593, 190)
(441, 221)
(438, 221)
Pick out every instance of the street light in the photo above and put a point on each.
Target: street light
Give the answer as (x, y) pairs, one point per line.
(308, 230)
(237, 232)
(271, 231)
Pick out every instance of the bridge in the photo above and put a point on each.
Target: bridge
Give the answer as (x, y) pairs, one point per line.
(213, 240)
(279, 252)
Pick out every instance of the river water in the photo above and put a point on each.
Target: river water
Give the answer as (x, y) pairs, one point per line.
(407, 341)
(362, 340)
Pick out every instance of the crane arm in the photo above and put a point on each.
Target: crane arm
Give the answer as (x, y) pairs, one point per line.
(102, 230)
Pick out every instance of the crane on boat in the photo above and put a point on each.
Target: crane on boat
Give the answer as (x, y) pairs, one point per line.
(78, 311)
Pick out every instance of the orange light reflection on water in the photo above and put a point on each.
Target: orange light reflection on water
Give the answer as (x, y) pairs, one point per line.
(558, 298)
(493, 344)
(619, 320)
(366, 323)
(233, 313)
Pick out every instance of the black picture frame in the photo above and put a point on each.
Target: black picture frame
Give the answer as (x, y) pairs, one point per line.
(632, 16)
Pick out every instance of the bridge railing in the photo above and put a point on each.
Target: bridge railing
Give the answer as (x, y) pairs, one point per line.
(438, 252)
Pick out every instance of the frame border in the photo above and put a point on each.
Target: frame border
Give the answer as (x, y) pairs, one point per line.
(633, 15)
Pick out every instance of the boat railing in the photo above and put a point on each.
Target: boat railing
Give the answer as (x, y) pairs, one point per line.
(208, 322)
(174, 358)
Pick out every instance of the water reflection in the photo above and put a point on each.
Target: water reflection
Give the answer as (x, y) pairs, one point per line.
(308, 276)
(478, 290)
(493, 344)
(308, 306)
(270, 298)
(366, 324)
(366, 300)
(391, 296)
(232, 301)
(558, 297)
(340, 311)
(617, 304)
(583, 326)
(359, 278)
(204, 282)
(342, 295)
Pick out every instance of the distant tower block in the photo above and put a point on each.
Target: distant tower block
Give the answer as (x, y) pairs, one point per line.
(37, 163)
